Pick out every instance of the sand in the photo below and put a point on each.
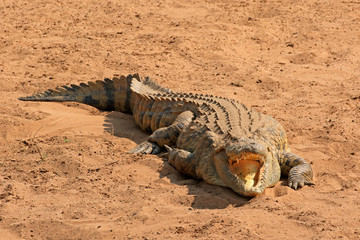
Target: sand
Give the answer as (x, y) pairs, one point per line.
(64, 168)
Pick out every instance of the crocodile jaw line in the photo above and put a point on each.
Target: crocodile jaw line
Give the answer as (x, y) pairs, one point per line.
(247, 167)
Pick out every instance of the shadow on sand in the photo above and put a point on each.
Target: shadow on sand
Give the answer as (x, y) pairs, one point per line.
(123, 125)
(206, 196)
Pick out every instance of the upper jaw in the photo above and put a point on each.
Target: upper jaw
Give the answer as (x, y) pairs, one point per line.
(246, 157)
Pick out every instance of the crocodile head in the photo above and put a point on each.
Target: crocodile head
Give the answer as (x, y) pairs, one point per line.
(247, 167)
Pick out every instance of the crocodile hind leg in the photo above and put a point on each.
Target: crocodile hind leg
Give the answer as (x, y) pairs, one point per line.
(299, 171)
(147, 147)
(164, 136)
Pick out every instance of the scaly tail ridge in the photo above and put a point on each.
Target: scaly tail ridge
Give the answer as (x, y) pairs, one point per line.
(119, 93)
(109, 94)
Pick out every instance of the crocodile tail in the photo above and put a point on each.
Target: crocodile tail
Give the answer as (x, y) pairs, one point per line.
(119, 93)
(109, 94)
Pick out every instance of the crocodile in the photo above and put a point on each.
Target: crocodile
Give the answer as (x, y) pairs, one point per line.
(216, 139)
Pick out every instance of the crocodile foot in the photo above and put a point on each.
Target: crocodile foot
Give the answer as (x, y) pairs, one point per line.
(146, 147)
(299, 176)
(298, 183)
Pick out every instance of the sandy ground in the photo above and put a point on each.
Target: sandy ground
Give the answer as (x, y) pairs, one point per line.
(64, 168)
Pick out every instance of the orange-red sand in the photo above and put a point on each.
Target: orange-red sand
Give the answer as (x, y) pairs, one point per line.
(64, 168)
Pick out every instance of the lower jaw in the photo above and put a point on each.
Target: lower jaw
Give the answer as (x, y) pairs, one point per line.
(248, 172)
(254, 192)
(249, 184)
(251, 187)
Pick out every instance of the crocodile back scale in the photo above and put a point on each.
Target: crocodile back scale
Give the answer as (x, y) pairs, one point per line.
(212, 138)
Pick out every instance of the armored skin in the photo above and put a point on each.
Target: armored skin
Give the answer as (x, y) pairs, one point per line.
(206, 137)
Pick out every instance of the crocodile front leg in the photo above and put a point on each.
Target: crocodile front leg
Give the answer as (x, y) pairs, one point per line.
(164, 136)
(196, 162)
(299, 171)
(182, 160)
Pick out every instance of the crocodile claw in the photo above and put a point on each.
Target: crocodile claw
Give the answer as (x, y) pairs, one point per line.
(146, 147)
(298, 183)
(168, 149)
(295, 185)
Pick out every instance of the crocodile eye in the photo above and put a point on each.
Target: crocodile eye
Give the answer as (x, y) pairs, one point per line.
(232, 162)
